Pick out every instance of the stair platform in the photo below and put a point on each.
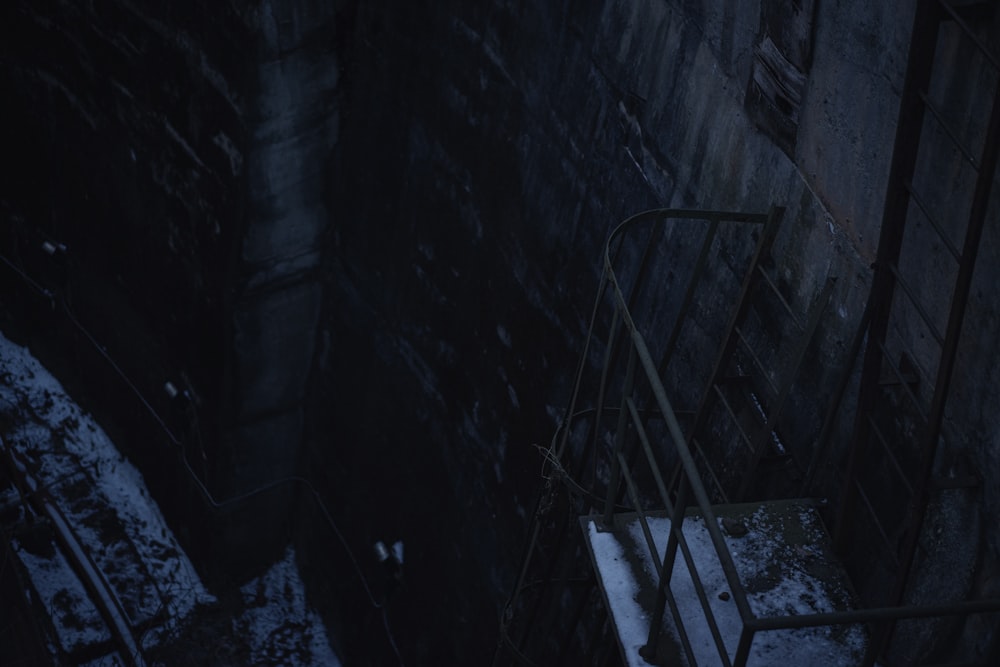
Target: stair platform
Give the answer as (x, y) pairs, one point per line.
(785, 565)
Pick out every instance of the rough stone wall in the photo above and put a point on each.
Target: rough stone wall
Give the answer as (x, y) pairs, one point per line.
(179, 152)
(487, 151)
(123, 136)
(404, 205)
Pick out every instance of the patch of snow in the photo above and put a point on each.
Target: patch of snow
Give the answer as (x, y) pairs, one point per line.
(397, 550)
(280, 626)
(554, 413)
(111, 660)
(229, 149)
(77, 621)
(184, 145)
(68, 453)
(622, 590)
(781, 588)
(504, 336)
(512, 395)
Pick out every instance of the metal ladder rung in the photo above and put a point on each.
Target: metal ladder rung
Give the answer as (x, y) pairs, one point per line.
(711, 472)
(985, 50)
(916, 304)
(781, 298)
(939, 117)
(934, 223)
(732, 415)
(892, 457)
(756, 360)
(889, 547)
(902, 381)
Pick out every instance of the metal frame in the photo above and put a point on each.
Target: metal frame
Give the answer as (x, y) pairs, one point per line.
(642, 369)
(914, 104)
(629, 377)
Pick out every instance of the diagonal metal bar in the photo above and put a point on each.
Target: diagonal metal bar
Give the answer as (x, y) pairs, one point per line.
(914, 299)
(781, 297)
(763, 248)
(970, 33)
(681, 542)
(699, 270)
(922, 205)
(764, 434)
(960, 298)
(944, 125)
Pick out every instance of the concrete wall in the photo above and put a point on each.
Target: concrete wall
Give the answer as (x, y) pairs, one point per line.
(366, 237)
(488, 150)
(180, 153)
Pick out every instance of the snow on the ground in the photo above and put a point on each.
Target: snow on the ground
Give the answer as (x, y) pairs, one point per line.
(278, 623)
(68, 453)
(772, 572)
(73, 615)
(621, 589)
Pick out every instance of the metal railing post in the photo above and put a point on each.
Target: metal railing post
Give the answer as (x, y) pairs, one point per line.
(616, 469)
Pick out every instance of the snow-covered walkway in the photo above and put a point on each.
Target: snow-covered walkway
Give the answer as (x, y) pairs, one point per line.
(108, 507)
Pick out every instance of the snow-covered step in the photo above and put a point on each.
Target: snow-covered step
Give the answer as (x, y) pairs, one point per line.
(103, 501)
(76, 622)
(784, 562)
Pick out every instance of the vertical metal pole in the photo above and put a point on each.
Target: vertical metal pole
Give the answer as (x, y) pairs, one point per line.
(960, 299)
(923, 44)
(743, 648)
(609, 354)
(763, 436)
(623, 418)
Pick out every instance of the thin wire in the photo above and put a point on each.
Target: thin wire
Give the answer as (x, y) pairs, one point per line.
(104, 353)
(28, 279)
(388, 632)
(212, 500)
(218, 504)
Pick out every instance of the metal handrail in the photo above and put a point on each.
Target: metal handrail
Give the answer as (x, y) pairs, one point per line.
(641, 360)
(639, 355)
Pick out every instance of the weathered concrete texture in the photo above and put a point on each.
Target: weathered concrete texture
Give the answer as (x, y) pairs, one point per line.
(293, 121)
(124, 135)
(528, 131)
(848, 119)
(180, 153)
(424, 191)
(272, 343)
